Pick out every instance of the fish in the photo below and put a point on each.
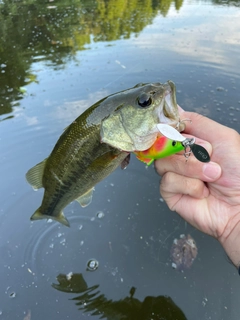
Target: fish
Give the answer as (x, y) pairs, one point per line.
(162, 147)
(100, 140)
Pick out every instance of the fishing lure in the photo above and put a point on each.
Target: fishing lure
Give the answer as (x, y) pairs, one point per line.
(169, 142)
(162, 147)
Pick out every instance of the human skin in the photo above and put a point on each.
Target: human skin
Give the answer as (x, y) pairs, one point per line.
(207, 195)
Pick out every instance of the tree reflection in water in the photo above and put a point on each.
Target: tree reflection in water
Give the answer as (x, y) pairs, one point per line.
(90, 300)
(32, 31)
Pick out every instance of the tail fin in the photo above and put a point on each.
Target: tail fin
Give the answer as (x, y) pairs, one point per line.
(60, 217)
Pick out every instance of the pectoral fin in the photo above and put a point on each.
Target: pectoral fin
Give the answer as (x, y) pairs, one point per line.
(85, 199)
(125, 162)
(35, 174)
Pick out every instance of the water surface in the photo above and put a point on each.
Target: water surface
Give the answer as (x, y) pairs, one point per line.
(56, 59)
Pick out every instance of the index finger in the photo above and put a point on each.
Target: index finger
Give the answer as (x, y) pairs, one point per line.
(203, 127)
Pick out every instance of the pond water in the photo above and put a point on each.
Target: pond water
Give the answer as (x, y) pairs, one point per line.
(56, 59)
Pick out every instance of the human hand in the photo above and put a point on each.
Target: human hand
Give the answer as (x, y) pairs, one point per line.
(207, 195)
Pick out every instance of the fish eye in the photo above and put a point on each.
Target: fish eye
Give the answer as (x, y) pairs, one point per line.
(174, 143)
(144, 100)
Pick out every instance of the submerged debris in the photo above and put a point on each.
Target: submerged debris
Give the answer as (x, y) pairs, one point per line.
(183, 252)
(28, 315)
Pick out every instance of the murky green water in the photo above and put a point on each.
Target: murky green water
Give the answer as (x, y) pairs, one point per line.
(56, 59)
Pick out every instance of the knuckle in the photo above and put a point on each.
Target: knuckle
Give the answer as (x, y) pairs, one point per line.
(193, 187)
(167, 179)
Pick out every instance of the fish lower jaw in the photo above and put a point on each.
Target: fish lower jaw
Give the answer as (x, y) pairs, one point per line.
(145, 142)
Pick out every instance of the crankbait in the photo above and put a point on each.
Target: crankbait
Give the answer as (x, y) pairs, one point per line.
(170, 142)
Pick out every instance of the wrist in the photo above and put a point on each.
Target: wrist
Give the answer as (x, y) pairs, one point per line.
(230, 241)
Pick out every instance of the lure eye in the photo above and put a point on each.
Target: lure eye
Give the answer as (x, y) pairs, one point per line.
(174, 143)
(144, 100)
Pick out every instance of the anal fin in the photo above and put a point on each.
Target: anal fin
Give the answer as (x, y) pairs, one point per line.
(85, 199)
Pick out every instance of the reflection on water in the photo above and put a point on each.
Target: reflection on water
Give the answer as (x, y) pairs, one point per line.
(92, 302)
(37, 31)
(235, 3)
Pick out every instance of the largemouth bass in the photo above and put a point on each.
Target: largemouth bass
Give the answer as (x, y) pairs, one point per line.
(98, 141)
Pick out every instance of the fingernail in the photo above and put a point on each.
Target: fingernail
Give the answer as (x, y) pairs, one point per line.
(212, 170)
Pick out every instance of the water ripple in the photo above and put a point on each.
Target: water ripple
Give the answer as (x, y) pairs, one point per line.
(55, 247)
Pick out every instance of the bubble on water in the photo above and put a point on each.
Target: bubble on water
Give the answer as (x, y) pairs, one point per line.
(100, 214)
(92, 265)
(114, 271)
(12, 294)
(63, 242)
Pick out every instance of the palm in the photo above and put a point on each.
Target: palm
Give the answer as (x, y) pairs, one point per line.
(209, 215)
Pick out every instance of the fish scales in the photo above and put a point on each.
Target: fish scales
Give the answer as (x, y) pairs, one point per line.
(78, 171)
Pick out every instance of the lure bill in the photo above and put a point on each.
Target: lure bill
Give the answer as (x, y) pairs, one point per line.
(169, 142)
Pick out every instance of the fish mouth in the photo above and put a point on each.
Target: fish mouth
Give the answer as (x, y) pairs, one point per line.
(168, 114)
